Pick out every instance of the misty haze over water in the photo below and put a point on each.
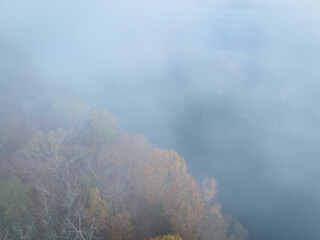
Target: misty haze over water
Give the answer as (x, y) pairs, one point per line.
(232, 86)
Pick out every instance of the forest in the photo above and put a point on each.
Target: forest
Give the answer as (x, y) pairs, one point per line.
(70, 172)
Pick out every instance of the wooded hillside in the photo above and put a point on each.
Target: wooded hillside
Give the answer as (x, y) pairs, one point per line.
(69, 172)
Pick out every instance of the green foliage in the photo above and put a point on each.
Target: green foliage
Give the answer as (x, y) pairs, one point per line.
(71, 110)
(7, 129)
(3, 138)
(14, 200)
(87, 181)
(58, 109)
(101, 128)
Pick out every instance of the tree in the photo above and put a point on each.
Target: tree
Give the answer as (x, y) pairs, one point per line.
(183, 205)
(208, 188)
(69, 110)
(167, 237)
(15, 209)
(120, 227)
(233, 229)
(216, 226)
(97, 210)
(157, 171)
(101, 128)
(14, 199)
(212, 224)
(58, 108)
(90, 180)
(43, 154)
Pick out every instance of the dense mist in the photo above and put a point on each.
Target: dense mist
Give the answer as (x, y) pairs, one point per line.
(232, 86)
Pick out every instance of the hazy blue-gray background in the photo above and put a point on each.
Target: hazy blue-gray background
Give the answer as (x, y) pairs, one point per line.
(233, 86)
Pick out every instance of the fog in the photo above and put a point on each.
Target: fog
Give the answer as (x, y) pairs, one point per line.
(232, 86)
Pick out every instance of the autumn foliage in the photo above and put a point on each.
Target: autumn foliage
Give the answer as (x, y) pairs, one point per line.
(73, 173)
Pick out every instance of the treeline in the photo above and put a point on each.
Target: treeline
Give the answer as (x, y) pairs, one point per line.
(69, 172)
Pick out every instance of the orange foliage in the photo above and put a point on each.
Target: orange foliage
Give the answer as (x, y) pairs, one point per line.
(183, 205)
(159, 168)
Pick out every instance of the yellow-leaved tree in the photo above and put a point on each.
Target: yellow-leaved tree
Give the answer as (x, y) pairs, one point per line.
(183, 206)
(158, 171)
(167, 237)
(97, 210)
